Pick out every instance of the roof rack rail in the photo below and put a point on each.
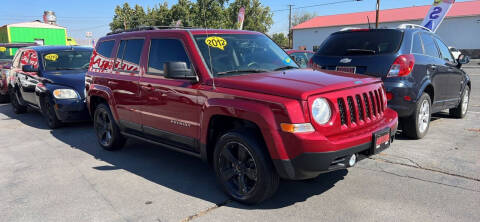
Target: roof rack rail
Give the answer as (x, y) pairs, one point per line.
(143, 28)
(412, 26)
(349, 28)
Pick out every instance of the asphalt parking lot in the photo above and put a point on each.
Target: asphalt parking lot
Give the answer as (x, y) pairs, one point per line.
(63, 175)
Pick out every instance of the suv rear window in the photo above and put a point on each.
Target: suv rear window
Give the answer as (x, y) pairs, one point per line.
(372, 42)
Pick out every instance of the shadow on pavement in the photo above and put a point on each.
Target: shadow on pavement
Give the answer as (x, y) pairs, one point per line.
(176, 171)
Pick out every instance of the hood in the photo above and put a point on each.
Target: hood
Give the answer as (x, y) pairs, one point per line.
(73, 79)
(296, 84)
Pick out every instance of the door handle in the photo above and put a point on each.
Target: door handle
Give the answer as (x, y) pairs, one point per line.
(112, 83)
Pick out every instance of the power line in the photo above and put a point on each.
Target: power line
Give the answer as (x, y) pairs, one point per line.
(309, 6)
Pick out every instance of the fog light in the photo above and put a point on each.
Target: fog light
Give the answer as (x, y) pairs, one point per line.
(352, 160)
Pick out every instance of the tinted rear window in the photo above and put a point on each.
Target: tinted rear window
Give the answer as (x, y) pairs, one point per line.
(371, 42)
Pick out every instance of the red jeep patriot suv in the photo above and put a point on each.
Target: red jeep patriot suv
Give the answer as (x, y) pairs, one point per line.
(237, 100)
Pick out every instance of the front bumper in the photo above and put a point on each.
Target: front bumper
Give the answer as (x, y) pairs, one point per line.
(319, 154)
(71, 110)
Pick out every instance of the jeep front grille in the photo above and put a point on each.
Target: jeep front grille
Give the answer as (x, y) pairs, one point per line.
(354, 111)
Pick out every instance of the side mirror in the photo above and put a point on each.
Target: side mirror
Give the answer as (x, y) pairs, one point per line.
(463, 59)
(178, 70)
(29, 68)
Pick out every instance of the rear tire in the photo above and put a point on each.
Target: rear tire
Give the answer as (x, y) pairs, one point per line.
(462, 109)
(417, 125)
(15, 101)
(107, 131)
(243, 167)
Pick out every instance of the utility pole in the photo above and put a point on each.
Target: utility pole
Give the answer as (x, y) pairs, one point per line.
(378, 13)
(290, 34)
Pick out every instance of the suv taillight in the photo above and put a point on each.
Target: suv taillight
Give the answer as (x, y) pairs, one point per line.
(402, 66)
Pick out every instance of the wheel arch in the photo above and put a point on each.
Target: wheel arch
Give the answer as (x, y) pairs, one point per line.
(428, 88)
(222, 115)
(100, 94)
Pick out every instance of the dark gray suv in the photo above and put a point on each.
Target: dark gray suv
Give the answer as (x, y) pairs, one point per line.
(420, 74)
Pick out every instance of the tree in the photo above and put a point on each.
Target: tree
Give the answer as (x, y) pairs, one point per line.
(127, 18)
(159, 15)
(257, 17)
(280, 39)
(121, 19)
(182, 11)
(209, 14)
(302, 17)
(202, 13)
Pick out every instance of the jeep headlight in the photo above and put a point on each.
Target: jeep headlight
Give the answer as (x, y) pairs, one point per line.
(321, 111)
(65, 94)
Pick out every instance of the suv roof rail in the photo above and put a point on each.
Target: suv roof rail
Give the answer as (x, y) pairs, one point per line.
(349, 28)
(143, 28)
(413, 26)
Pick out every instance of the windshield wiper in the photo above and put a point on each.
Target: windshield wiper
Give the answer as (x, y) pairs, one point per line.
(285, 68)
(242, 71)
(360, 51)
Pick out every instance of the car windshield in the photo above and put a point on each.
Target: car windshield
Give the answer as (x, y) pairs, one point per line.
(371, 42)
(237, 54)
(66, 60)
(7, 53)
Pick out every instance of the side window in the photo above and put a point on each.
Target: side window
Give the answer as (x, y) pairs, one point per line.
(165, 50)
(101, 58)
(429, 45)
(300, 58)
(417, 46)
(445, 52)
(105, 48)
(129, 53)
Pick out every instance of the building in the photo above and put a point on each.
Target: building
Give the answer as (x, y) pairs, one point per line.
(36, 31)
(460, 29)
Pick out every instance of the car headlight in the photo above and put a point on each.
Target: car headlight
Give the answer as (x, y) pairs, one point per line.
(65, 94)
(321, 111)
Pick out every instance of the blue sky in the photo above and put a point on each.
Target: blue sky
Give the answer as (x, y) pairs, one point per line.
(95, 15)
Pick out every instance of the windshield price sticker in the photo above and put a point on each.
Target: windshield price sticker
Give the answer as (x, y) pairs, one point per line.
(51, 57)
(287, 60)
(3, 49)
(216, 42)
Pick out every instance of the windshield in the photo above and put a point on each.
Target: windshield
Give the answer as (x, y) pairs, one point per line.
(237, 54)
(66, 60)
(7, 53)
(372, 42)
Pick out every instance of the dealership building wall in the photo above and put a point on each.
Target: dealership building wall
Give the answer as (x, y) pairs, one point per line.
(30, 32)
(459, 32)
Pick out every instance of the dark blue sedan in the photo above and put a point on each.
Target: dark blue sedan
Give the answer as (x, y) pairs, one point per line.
(51, 79)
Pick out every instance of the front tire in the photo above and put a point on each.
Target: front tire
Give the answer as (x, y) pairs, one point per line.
(243, 167)
(417, 125)
(50, 116)
(108, 133)
(15, 101)
(461, 110)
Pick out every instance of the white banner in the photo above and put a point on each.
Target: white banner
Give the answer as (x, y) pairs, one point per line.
(437, 13)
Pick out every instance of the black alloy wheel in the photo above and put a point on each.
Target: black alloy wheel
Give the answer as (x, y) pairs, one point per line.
(243, 167)
(238, 169)
(108, 133)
